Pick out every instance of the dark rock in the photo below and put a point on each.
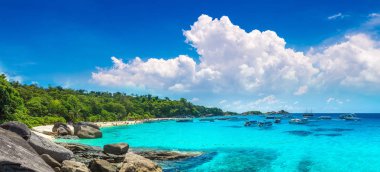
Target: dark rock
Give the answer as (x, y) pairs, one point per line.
(50, 161)
(73, 166)
(300, 133)
(87, 131)
(137, 163)
(57, 169)
(85, 154)
(17, 155)
(333, 129)
(62, 129)
(330, 135)
(18, 128)
(71, 137)
(117, 149)
(99, 165)
(305, 165)
(45, 146)
(89, 124)
(166, 155)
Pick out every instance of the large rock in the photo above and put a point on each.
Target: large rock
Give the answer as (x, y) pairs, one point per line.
(167, 155)
(45, 146)
(73, 166)
(99, 165)
(137, 163)
(62, 129)
(87, 131)
(18, 128)
(50, 161)
(17, 155)
(117, 149)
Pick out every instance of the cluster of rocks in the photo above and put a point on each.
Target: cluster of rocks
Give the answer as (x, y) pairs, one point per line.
(81, 130)
(23, 150)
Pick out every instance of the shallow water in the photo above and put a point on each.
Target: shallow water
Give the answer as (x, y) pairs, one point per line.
(327, 145)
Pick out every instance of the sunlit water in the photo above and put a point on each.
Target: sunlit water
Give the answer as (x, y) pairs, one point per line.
(328, 145)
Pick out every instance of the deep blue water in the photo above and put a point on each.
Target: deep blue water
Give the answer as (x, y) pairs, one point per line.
(320, 145)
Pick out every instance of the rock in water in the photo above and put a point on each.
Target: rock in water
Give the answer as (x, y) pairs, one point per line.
(45, 146)
(62, 129)
(134, 162)
(17, 155)
(18, 128)
(99, 165)
(73, 166)
(117, 149)
(167, 155)
(87, 131)
(50, 161)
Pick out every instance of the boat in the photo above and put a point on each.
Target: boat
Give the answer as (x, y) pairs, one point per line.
(264, 124)
(324, 117)
(308, 114)
(250, 123)
(349, 117)
(270, 117)
(277, 120)
(185, 120)
(207, 119)
(298, 121)
(237, 119)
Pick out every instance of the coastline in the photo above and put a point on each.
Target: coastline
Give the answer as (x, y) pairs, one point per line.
(46, 130)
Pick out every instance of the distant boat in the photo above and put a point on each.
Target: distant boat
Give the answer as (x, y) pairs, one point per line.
(298, 121)
(265, 124)
(308, 114)
(184, 120)
(324, 117)
(277, 120)
(349, 117)
(270, 117)
(250, 123)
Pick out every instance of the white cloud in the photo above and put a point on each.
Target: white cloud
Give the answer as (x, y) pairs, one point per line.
(337, 16)
(330, 99)
(223, 101)
(354, 62)
(271, 99)
(334, 100)
(301, 90)
(374, 15)
(195, 99)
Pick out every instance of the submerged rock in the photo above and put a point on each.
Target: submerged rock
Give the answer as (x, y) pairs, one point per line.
(330, 134)
(99, 165)
(17, 127)
(45, 146)
(17, 155)
(133, 162)
(300, 133)
(73, 166)
(166, 155)
(117, 149)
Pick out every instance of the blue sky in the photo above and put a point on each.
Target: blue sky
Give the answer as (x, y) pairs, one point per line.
(64, 43)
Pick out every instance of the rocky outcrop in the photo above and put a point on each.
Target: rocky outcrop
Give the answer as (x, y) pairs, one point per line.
(87, 130)
(73, 166)
(50, 161)
(166, 155)
(45, 146)
(17, 155)
(99, 165)
(17, 127)
(62, 129)
(137, 163)
(117, 149)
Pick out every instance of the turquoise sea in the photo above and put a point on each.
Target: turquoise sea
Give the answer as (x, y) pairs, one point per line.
(321, 145)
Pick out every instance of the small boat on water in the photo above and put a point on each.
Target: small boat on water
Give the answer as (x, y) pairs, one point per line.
(250, 123)
(349, 117)
(324, 117)
(264, 124)
(270, 117)
(277, 120)
(298, 121)
(207, 119)
(185, 120)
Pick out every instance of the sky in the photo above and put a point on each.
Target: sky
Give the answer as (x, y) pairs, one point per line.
(294, 55)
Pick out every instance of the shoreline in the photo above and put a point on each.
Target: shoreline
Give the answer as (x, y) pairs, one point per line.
(46, 130)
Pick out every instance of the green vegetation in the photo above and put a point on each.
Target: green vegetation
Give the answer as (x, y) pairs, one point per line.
(252, 113)
(35, 105)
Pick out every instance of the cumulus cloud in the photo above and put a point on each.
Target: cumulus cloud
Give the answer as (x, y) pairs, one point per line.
(353, 62)
(231, 60)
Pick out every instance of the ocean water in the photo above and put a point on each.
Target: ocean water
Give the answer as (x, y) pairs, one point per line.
(321, 145)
